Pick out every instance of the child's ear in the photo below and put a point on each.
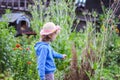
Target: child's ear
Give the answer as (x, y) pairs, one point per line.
(58, 31)
(50, 35)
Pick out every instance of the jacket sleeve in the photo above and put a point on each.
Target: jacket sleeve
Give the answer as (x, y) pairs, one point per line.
(57, 55)
(41, 59)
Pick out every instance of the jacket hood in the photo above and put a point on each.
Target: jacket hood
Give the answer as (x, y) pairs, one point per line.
(38, 44)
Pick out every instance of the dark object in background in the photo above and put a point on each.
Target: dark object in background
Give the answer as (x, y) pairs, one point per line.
(47, 3)
(19, 16)
(87, 6)
(15, 5)
(20, 21)
(118, 27)
(95, 5)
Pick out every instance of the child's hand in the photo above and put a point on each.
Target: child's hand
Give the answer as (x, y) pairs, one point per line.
(64, 56)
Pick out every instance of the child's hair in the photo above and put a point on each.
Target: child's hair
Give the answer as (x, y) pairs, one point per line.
(46, 38)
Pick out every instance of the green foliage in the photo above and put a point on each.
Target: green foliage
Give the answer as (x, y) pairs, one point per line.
(17, 60)
(17, 55)
(61, 14)
(24, 62)
(6, 40)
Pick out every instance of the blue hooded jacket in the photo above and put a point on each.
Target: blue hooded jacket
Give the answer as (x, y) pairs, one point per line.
(45, 58)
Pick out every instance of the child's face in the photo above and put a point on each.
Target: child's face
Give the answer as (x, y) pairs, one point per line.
(54, 35)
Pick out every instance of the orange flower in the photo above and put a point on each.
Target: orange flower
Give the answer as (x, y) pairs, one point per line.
(14, 48)
(113, 26)
(27, 49)
(28, 62)
(117, 30)
(18, 45)
(20, 48)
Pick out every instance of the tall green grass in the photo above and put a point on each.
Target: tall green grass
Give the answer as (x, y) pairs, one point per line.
(63, 14)
(104, 46)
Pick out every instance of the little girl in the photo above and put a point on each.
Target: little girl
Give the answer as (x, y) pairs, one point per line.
(45, 53)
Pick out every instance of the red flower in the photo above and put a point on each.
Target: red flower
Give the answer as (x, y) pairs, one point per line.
(18, 45)
(28, 62)
(14, 48)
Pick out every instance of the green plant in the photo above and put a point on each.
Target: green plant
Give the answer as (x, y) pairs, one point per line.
(18, 58)
(23, 61)
(6, 40)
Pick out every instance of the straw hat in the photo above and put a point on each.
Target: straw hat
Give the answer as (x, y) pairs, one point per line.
(49, 28)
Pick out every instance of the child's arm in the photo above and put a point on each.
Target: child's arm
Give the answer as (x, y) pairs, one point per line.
(58, 55)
